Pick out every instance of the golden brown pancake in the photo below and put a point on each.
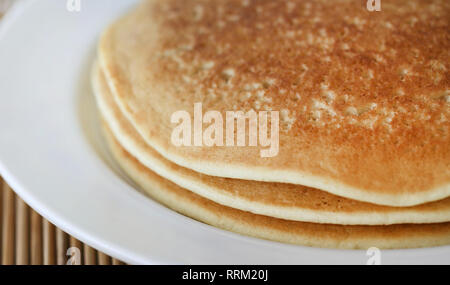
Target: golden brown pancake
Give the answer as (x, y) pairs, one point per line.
(363, 97)
(279, 200)
(310, 234)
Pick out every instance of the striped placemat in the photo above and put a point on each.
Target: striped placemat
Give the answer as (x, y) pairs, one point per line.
(27, 238)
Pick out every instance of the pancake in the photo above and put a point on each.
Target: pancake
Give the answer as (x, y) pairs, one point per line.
(363, 97)
(310, 234)
(280, 200)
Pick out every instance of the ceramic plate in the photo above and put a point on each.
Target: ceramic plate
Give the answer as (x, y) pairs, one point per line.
(52, 154)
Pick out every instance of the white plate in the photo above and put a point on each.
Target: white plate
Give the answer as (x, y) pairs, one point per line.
(52, 154)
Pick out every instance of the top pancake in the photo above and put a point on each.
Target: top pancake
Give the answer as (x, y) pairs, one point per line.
(278, 200)
(363, 97)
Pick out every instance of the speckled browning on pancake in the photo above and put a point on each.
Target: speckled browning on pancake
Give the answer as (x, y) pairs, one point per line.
(364, 97)
(309, 234)
(280, 200)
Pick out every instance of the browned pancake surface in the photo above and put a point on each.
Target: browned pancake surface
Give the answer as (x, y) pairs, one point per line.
(364, 97)
(280, 200)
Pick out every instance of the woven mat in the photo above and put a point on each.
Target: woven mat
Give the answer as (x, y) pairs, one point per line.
(27, 238)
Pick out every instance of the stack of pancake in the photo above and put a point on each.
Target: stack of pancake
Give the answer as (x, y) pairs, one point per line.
(364, 107)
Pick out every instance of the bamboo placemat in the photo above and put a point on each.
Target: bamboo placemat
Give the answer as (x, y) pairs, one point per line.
(27, 238)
